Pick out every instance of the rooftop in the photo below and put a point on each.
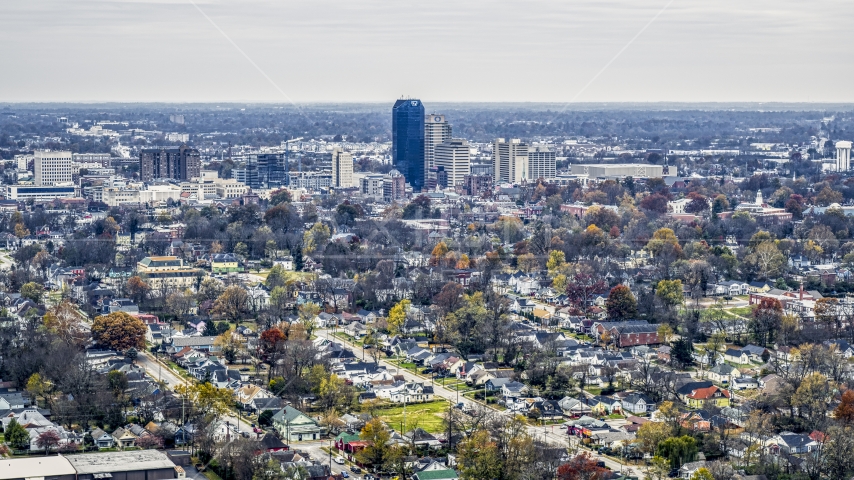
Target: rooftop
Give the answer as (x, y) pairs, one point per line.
(16, 468)
(107, 462)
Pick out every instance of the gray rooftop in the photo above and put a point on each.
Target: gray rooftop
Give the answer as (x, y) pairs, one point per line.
(107, 462)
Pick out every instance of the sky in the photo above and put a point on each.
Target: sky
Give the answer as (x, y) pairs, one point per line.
(436, 50)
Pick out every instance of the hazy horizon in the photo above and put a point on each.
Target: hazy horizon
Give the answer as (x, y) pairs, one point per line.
(371, 51)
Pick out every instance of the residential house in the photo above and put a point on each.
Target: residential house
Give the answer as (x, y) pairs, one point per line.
(124, 438)
(513, 390)
(723, 373)
(295, 426)
(792, 443)
(102, 439)
(637, 403)
(744, 383)
(698, 398)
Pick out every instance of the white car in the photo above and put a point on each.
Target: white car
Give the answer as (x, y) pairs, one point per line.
(339, 460)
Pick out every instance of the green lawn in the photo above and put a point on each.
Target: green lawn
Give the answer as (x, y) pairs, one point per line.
(423, 415)
(743, 311)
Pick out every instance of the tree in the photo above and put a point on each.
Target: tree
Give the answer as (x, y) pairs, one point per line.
(48, 440)
(678, 450)
(766, 320)
(280, 196)
(307, 314)
(66, 322)
(844, 412)
(397, 316)
(179, 303)
(650, 434)
(16, 435)
(478, 457)
(208, 398)
(377, 449)
(315, 238)
(233, 303)
(210, 289)
(527, 262)
(148, 442)
(670, 292)
(581, 289)
(32, 290)
(767, 259)
(702, 474)
(581, 467)
(557, 259)
(119, 331)
(137, 289)
(230, 343)
(621, 304)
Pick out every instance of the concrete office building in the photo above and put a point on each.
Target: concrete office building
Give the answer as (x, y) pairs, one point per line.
(622, 170)
(372, 186)
(437, 130)
(24, 162)
(454, 156)
(541, 163)
(39, 192)
(843, 156)
(51, 168)
(102, 158)
(509, 160)
(342, 168)
(175, 163)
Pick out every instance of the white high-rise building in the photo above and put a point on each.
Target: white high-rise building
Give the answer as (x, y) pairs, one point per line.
(454, 156)
(437, 130)
(342, 168)
(509, 160)
(51, 168)
(843, 156)
(541, 162)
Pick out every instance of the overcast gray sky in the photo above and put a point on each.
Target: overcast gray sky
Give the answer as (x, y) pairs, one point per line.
(438, 50)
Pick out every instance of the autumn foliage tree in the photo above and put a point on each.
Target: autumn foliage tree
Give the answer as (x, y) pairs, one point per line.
(581, 288)
(119, 331)
(137, 289)
(844, 412)
(232, 304)
(621, 304)
(582, 467)
(766, 320)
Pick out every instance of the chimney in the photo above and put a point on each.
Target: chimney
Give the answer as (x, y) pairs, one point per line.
(802, 292)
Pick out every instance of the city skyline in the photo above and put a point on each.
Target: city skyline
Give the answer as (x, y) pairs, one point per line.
(625, 51)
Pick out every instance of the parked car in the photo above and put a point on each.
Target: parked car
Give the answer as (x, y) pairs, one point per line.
(339, 460)
(355, 469)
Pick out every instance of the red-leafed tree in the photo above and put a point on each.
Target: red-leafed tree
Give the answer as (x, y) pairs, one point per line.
(271, 340)
(148, 442)
(655, 203)
(48, 440)
(582, 467)
(581, 288)
(766, 320)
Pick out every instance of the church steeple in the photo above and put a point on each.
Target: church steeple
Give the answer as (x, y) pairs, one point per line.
(759, 198)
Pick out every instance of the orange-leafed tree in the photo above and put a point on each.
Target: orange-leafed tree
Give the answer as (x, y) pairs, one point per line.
(119, 331)
(582, 467)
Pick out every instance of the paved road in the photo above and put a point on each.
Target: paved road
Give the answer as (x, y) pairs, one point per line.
(554, 435)
(158, 371)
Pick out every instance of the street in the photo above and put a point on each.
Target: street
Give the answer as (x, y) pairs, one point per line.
(555, 435)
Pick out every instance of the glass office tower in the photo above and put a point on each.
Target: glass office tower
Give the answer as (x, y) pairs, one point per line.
(407, 141)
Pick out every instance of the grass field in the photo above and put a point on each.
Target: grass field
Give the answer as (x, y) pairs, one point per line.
(743, 311)
(423, 415)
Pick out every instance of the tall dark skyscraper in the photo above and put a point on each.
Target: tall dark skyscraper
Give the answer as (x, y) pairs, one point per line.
(407, 140)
